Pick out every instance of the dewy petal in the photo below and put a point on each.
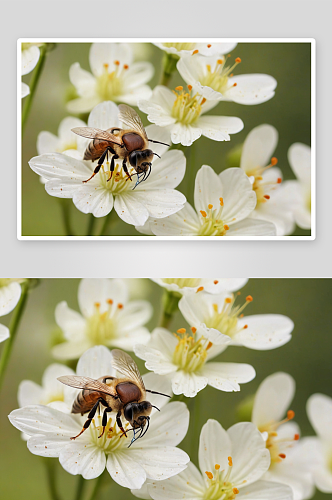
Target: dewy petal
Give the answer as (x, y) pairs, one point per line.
(100, 290)
(273, 398)
(252, 227)
(251, 458)
(259, 147)
(208, 188)
(251, 89)
(239, 197)
(125, 471)
(264, 331)
(95, 362)
(29, 59)
(71, 322)
(219, 128)
(9, 297)
(95, 200)
(214, 447)
(4, 333)
(104, 116)
(107, 53)
(265, 490)
(167, 171)
(319, 411)
(185, 134)
(83, 81)
(184, 223)
(299, 157)
(188, 383)
(228, 376)
(82, 458)
(29, 393)
(169, 426)
(130, 210)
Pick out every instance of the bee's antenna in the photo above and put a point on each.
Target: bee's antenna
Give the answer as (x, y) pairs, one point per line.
(156, 155)
(160, 393)
(147, 427)
(158, 142)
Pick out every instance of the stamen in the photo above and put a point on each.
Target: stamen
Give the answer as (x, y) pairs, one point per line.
(274, 161)
(226, 227)
(209, 474)
(216, 282)
(266, 196)
(209, 346)
(179, 88)
(221, 202)
(282, 455)
(279, 180)
(181, 330)
(106, 66)
(193, 329)
(228, 300)
(120, 306)
(203, 213)
(209, 46)
(290, 414)
(235, 491)
(249, 298)
(200, 289)
(245, 327)
(117, 63)
(203, 100)
(230, 461)
(235, 84)
(238, 60)
(125, 66)
(296, 437)
(97, 305)
(220, 61)
(109, 301)
(190, 88)
(195, 52)
(217, 466)
(210, 206)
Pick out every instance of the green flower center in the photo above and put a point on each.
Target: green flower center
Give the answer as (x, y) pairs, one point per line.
(220, 487)
(187, 107)
(217, 78)
(211, 223)
(180, 46)
(190, 353)
(119, 181)
(273, 443)
(259, 185)
(110, 83)
(112, 439)
(7, 281)
(26, 46)
(101, 328)
(182, 282)
(225, 320)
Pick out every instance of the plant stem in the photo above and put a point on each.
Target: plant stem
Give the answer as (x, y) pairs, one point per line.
(13, 328)
(170, 305)
(92, 220)
(169, 66)
(33, 85)
(80, 487)
(96, 488)
(65, 210)
(50, 465)
(189, 168)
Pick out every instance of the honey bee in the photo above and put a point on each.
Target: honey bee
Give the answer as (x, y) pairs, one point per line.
(130, 144)
(126, 396)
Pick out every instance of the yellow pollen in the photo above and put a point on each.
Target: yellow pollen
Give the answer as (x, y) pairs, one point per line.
(210, 206)
(200, 289)
(245, 327)
(215, 307)
(259, 178)
(249, 298)
(117, 63)
(235, 491)
(190, 87)
(226, 227)
(279, 180)
(221, 202)
(181, 330)
(209, 46)
(267, 196)
(208, 67)
(120, 306)
(217, 466)
(193, 329)
(106, 65)
(230, 461)
(228, 300)
(195, 52)
(203, 100)
(216, 282)
(234, 84)
(207, 348)
(179, 88)
(220, 61)
(203, 213)
(274, 161)
(238, 60)
(209, 474)
(273, 434)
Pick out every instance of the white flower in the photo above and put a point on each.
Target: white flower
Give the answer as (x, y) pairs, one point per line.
(10, 293)
(224, 204)
(184, 358)
(299, 157)
(66, 141)
(290, 459)
(181, 49)
(115, 77)
(213, 79)
(220, 319)
(155, 456)
(181, 113)
(193, 285)
(319, 410)
(231, 464)
(107, 318)
(156, 197)
(275, 201)
(29, 59)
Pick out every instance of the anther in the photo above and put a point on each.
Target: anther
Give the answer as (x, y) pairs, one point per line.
(217, 466)
(195, 52)
(296, 437)
(266, 196)
(105, 65)
(125, 66)
(226, 227)
(238, 60)
(200, 289)
(274, 161)
(209, 46)
(221, 202)
(109, 301)
(279, 180)
(203, 100)
(181, 330)
(117, 63)
(228, 300)
(190, 87)
(230, 461)
(290, 414)
(209, 474)
(216, 282)
(207, 348)
(97, 304)
(282, 455)
(179, 88)
(210, 206)
(220, 61)
(235, 491)
(120, 306)
(245, 327)
(193, 329)
(235, 84)
(203, 213)
(249, 298)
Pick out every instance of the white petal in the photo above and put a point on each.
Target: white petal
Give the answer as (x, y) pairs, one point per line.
(239, 198)
(100, 290)
(29, 393)
(24, 90)
(252, 227)
(134, 315)
(83, 104)
(251, 89)
(214, 447)
(169, 426)
(188, 384)
(219, 48)
(159, 202)
(126, 341)
(130, 210)
(273, 398)
(264, 331)
(228, 376)
(160, 462)
(157, 383)
(82, 458)
(95, 363)
(107, 53)
(142, 492)
(70, 350)
(50, 375)
(299, 157)
(71, 322)
(218, 128)
(223, 284)
(137, 75)
(187, 485)
(93, 199)
(319, 410)
(323, 479)
(157, 361)
(29, 59)
(59, 166)
(105, 115)
(4, 333)
(259, 147)
(160, 134)
(184, 223)
(167, 171)
(82, 80)
(125, 471)
(208, 188)
(47, 143)
(265, 490)
(251, 458)
(185, 134)
(9, 297)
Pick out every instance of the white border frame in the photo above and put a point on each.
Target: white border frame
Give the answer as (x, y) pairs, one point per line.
(312, 41)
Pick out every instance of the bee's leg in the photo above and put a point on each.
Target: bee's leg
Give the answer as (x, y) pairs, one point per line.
(118, 421)
(100, 162)
(124, 166)
(90, 416)
(104, 421)
(114, 157)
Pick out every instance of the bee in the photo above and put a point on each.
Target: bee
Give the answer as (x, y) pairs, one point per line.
(130, 144)
(126, 396)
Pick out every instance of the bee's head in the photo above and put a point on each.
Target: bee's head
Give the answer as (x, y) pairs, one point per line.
(136, 413)
(141, 160)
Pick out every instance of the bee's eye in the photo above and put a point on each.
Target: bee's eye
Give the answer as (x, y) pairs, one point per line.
(128, 413)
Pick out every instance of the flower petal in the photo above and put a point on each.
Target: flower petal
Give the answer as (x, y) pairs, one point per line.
(167, 171)
(71, 322)
(102, 54)
(160, 202)
(125, 470)
(185, 134)
(137, 75)
(252, 227)
(47, 143)
(70, 350)
(188, 384)
(126, 341)
(49, 380)
(161, 462)
(258, 147)
(100, 290)
(265, 490)
(95, 362)
(264, 331)
(208, 188)
(134, 315)
(214, 448)
(62, 167)
(104, 116)
(299, 157)
(83, 81)
(29, 393)
(218, 128)
(9, 297)
(130, 210)
(228, 376)
(24, 90)
(93, 199)
(183, 223)
(29, 59)
(251, 89)
(157, 383)
(169, 427)
(239, 197)
(82, 458)
(319, 410)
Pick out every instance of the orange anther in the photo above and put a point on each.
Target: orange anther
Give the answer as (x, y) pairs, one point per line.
(220, 61)
(210, 206)
(109, 301)
(259, 178)
(296, 437)
(279, 180)
(209, 346)
(216, 282)
(203, 100)
(97, 304)
(120, 306)
(203, 213)
(209, 46)
(249, 298)
(226, 227)
(282, 455)
(106, 65)
(117, 63)
(181, 330)
(230, 461)
(125, 66)
(221, 202)
(190, 87)
(234, 84)
(200, 289)
(232, 74)
(290, 414)
(238, 60)
(241, 315)
(235, 491)
(195, 52)
(228, 300)
(266, 196)
(179, 87)
(209, 474)
(245, 327)
(274, 161)
(193, 329)
(217, 466)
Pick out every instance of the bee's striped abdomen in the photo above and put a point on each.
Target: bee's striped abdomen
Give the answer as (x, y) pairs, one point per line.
(95, 149)
(85, 401)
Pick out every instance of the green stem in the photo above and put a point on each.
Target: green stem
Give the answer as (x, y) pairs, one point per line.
(91, 225)
(33, 84)
(50, 465)
(190, 167)
(96, 488)
(169, 66)
(194, 411)
(13, 328)
(65, 211)
(170, 306)
(80, 487)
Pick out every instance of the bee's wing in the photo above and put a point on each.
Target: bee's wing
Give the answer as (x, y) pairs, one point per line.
(86, 383)
(131, 119)
(127, 366)
(96, 133)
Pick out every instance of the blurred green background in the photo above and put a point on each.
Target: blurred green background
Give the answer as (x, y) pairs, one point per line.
(307, 357)
(288, 111)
